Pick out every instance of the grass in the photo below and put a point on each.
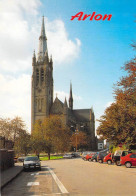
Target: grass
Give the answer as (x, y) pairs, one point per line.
(45, 158)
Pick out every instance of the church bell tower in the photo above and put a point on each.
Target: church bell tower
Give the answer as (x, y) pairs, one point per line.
(42, 81)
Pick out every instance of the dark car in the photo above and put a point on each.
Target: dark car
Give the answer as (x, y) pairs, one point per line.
(31, 163)
(75, 154)
(101, 156)
(118, 154)
(94, 157)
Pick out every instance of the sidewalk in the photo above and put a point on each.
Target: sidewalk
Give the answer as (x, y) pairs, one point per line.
(10, 174)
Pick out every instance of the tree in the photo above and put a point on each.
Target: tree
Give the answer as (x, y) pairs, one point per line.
(11, 128)
(22, 143)
(51, 135)
(14, 129)
(118, 124)
(78, 138)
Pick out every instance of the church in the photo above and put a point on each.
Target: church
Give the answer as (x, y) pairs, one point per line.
(42, 102)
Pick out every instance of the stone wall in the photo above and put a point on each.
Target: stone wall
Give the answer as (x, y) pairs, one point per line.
(6, 159)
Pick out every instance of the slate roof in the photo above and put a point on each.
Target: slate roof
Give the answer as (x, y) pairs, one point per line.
(82, 114)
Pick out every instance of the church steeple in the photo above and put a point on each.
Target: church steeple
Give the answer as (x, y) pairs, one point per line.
(43, 51)
(71, 98)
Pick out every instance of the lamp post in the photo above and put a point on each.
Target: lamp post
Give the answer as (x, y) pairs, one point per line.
(76, 132)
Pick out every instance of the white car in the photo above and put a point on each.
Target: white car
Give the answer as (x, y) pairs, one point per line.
(68, 156)
(31, 163)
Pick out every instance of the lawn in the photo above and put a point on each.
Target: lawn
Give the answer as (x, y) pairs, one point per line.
(45, 158)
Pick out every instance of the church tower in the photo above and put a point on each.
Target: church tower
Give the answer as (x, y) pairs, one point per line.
(42, 81)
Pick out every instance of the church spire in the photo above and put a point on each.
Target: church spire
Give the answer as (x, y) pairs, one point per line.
(42, 43)
(71, 98)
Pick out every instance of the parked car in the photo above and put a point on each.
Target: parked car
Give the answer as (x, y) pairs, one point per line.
(128, 160)
(67, 156)
(108, 159)
(89, 156)
(94, 157)
(75, 154)
(101, 156)
(118, 154)
(31, 163)
(84, 155)
(21, 159)
(15, 159)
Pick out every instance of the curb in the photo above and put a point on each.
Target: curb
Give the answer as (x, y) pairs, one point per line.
(2, 186)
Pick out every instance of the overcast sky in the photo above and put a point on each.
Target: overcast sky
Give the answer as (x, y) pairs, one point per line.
(87, 53)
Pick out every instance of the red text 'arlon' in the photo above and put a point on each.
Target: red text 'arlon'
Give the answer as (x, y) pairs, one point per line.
(82, 16)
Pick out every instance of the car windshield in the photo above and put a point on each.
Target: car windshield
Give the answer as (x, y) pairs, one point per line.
(31, 159)
(118, 153)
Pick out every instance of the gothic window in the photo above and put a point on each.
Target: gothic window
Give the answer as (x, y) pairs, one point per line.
(42, 75)
(37, 77)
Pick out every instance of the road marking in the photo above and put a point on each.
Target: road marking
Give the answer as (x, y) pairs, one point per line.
(48, 194)
(34, 174)
(32, 183)
(60, 185)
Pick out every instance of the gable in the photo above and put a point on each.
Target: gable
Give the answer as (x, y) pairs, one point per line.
(57, 107)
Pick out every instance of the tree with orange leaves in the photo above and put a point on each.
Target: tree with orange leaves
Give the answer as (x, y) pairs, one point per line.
(118, 124)
(78, 138)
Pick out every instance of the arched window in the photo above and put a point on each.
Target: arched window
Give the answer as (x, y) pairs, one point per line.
(37, 76)
(42, 75)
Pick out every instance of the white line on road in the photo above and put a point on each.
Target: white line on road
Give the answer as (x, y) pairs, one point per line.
(32, 183)
(34, 174)
(60, 185)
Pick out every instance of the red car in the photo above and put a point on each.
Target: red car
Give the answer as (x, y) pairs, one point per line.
(108, 159)
(129, 160)
(89, 156)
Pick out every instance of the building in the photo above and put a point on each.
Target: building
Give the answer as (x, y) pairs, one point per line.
(42, 104)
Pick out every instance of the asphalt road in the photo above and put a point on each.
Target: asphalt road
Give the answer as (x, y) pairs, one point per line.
(74, 177)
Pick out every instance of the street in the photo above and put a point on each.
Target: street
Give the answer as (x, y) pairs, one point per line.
(74, 177)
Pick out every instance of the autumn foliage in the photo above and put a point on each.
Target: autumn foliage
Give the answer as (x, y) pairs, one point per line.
(50, 135)
(118, 124)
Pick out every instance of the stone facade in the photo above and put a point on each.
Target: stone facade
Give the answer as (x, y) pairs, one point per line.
(42, 96)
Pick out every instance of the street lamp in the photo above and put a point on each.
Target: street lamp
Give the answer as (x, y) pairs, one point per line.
(76, 133)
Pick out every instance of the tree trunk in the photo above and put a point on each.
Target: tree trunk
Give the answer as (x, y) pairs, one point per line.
(48, 155)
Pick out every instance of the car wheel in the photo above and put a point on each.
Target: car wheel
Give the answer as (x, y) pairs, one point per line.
(109, 162)
(89, 160)
(118, 163)
(128, 164)
(100, 161)
(94, 160)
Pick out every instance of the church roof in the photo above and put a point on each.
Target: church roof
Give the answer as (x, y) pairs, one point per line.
(57, 107)
(82, 114)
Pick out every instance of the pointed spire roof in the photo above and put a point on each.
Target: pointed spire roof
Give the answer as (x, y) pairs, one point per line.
(43, 51)
(65, 102)
(43, 28)
(71, 96)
